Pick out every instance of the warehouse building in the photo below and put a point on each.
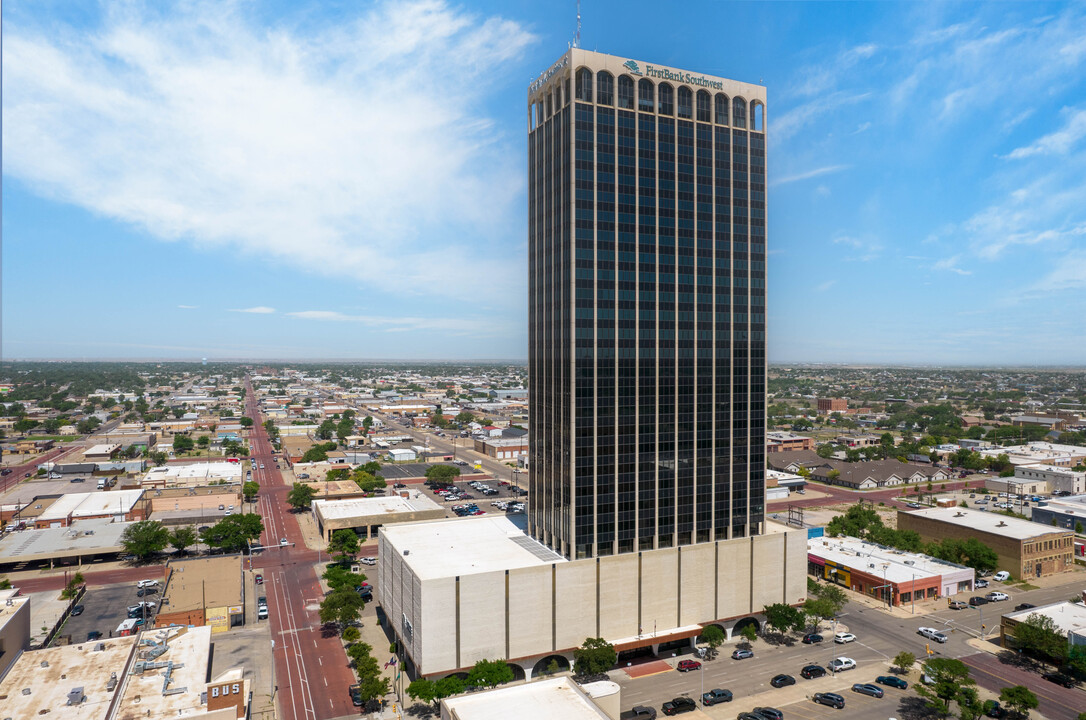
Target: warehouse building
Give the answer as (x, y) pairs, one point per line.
(366, 515)
(203, 591)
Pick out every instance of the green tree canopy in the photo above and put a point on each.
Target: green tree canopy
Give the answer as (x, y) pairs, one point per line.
(713, 636)
(341, 606)
(489, 673)
(145, 538)
(441, 473)
(182, 537)
(250, 489)
(339, 576)
(234, 533)
(948, 677)
(1018, 698)
(1040, 636)
(595, 655)
(300, 496)
(784, 618)
(344, 542)
(183, 443)
(904, 661)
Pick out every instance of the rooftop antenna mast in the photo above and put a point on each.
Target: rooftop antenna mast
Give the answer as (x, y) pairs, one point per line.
(577, 37)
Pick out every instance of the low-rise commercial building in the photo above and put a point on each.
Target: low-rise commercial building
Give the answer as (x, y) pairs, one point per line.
(194, 474)
(366, 515)
(1054, 479)
(1068, 617)
(541, 700)
(779, 485)
(503, 448)
(14, 628)
(782, 441)
(203, 591)
(893, 576)
(508, 596)
(103, 452)
(1025, 549)
(1040, 453)
(1067, 513)
(194, 505)
(81, 541)
(118, 505)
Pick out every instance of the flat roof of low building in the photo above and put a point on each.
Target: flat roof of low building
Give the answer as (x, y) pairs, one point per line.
(83, 537)
(540, 700)
(374, 507)
(102, 449)
(464, 546)
(199, 583)
(83, 665)
(7, 612)
(989, 522)
(1069, 617)
(91, 504)
(895, 565)
(195, 471)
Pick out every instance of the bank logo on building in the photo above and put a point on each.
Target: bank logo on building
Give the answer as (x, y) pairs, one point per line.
(632, 67)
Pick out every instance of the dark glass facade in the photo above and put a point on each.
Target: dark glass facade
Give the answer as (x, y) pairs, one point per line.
(647, 251)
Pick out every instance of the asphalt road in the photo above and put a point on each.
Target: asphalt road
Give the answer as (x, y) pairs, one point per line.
(18, 472)
(1056, 702)
(311, 671)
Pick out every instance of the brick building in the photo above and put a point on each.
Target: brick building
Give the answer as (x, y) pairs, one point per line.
(1025, 549)
(830, 405)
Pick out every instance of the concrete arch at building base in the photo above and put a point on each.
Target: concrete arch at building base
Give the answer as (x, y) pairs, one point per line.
(563, 663)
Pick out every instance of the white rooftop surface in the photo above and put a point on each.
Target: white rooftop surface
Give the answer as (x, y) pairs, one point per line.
(1038, 451)
(7, 612)
(104, 535)
(105, 449)
(189, 648)
(997, 523)
(374, 506)
(81, 665)
(203, 470)
(856, 553)
(88, 504)
(1069, 617)
(464, 546)
(1070, 505)
(557, 699)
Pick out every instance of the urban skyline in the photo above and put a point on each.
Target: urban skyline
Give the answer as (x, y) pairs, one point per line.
(926, 209)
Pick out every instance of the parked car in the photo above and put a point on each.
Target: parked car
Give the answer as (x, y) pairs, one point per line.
(981, 583)
(768, 713)
(77, 610)
(993, 709)
(842, 637)
(892, 681)
(6, 471)
(812, 638)
(914, 506)
(1060, 679)
(716, 695)
(147, 583)
(977, 600)
(258, 579)
(356, 695)
(832, 699)
(284, 541)
(368, 561)
(956, 604)
(687, 665)
(641, 712)
(742, 654)
(810, 672)
(679, 705)
(842, 663)
(996, 596)
(1002, 576)
(1024, 606)
(932, 634)
(94, 635)
(867, 689)
(783, 680)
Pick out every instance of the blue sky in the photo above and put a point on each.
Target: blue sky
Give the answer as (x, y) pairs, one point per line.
(347, 180)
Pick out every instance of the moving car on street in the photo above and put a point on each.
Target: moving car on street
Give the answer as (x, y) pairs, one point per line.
(687, 665)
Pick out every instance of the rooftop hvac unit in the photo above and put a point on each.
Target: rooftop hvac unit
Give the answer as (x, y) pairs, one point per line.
(76, 696)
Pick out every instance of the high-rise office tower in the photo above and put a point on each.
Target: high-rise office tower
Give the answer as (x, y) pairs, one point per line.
(647, 251)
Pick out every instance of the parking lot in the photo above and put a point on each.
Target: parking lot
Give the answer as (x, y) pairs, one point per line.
(104, 608)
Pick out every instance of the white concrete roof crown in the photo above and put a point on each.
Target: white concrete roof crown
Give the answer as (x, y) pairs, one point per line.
(996, 523)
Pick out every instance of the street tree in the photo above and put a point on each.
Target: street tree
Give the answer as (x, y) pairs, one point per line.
(749, 633)
(245, 421)
(344, 543)
(904, 661)
(182, 443)
(948, 677)
(595, 655)
(182, 537)
(441, 474)
(339, 576)
(713, 636)
(234, 533)
(145, 538)
(970, 706)
(249, 489)
(1040, 636)
(1018, 698)
(423, 690)
(300, 496)
(784, 618)
(489, 673)
(341, 606)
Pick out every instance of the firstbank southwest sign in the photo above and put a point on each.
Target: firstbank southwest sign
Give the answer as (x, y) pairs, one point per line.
(635, 69)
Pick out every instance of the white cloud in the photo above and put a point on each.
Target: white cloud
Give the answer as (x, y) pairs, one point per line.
(258, 310)
(355, 150)
(867, 248)
(188, 307)
(817, 172)
(951, 264)
(1049, 211)
(1056, 143)
(792, 121)
(823, 287)
(455, 326)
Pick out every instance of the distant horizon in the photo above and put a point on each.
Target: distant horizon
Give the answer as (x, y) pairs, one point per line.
(523, 361)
